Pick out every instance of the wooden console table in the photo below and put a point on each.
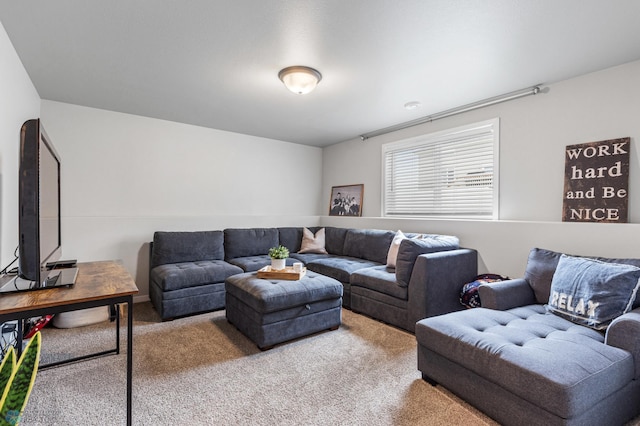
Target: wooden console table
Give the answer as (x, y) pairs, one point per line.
(98, 284)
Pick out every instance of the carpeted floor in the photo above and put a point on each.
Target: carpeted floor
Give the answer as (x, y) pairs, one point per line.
(201, 371)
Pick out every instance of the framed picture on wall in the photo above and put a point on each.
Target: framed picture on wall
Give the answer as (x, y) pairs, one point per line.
(346, 200)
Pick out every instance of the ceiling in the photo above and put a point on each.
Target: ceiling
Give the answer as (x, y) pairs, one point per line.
(215, 63)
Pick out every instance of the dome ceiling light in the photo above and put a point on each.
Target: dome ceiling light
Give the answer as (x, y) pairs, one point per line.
(300, 79)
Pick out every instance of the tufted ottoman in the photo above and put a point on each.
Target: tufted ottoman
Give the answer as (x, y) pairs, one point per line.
(524, 366)
(271, 311)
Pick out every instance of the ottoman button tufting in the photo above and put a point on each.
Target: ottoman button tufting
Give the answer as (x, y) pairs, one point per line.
(275, 311)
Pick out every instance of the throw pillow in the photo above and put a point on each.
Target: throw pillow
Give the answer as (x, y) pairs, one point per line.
(392, 255)
(591, 292)
(312, 243)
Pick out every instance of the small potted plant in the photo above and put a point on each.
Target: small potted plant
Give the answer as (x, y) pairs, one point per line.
(278, 257)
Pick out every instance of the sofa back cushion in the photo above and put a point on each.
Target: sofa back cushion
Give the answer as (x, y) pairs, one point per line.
(249, 241)
(333, 239)
(411, 248)
(368, 244)
(392, 255)
(542, 264)
(177, 247)
(290, 238)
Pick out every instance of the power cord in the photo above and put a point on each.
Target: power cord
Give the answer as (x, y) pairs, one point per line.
(9, 329)
(15, 254)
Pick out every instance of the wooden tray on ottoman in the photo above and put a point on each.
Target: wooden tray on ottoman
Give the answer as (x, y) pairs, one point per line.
(284, 274)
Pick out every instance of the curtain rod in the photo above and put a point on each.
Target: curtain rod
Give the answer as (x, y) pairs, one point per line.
(453, 111)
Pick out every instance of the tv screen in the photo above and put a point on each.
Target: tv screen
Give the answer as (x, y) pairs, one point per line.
(39, 201)
(39, 228)
(49, 215)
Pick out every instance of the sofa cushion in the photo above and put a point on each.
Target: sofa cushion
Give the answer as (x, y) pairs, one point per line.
(334, 239)
(379, 279)
(339, 267)
(542, 264)
(174, 276)
(175, 247)
(539, 272)
(591, 292)
(309, 257)
(411, 248)
(253, 263)
(249, 242)
(313, 243)
(553, 363)
(265, 296)
(369, 244)
(290, 238)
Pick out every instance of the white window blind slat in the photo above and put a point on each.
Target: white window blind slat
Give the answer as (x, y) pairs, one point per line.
(446, 174)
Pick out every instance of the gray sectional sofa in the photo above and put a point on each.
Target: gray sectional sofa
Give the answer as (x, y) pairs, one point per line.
(188, 269)
(556, 347)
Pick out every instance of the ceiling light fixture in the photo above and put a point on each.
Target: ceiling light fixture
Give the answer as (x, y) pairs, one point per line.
(300, 79)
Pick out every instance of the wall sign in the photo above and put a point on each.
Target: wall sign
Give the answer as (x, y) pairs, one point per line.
(596, 182)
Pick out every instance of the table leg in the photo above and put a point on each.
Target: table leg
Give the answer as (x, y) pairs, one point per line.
(129, 356)
(117, 309)
(18, 347)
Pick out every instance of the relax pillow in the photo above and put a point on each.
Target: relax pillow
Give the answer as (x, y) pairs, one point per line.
(542, 264)
(411, 248)
(392, 255)
(592, 293)
(312, 243)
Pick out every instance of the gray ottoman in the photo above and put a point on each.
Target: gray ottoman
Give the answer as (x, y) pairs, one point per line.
(271, 311)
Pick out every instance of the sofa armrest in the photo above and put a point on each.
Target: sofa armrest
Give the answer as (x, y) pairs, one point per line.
(503, 295)
(436, 280)
(624, 333)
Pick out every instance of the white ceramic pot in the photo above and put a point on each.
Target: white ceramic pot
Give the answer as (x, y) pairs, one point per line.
(278, 264)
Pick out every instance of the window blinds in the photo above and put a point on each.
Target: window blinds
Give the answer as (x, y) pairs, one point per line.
(445, 174)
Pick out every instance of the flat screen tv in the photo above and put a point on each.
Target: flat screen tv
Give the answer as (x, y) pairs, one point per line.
(40, 244)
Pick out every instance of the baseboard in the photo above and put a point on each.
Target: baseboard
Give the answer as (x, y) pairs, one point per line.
(141, 298)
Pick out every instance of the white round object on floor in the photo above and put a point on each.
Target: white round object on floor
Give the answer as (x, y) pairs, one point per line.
(81, 318)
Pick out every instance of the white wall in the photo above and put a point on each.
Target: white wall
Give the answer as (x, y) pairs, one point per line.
(19, 102)
(125, 176)
(533, 134)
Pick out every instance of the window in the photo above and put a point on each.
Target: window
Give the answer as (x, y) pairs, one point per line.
(451, 174)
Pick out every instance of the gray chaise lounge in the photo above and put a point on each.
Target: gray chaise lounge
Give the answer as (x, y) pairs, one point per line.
(523, 365)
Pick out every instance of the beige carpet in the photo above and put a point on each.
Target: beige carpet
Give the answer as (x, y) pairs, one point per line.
(201, 371)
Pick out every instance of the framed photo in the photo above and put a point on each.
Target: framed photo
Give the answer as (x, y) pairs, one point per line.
(346, 200)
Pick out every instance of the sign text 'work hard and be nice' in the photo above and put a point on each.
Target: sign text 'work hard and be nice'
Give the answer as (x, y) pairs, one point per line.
(596, 182)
